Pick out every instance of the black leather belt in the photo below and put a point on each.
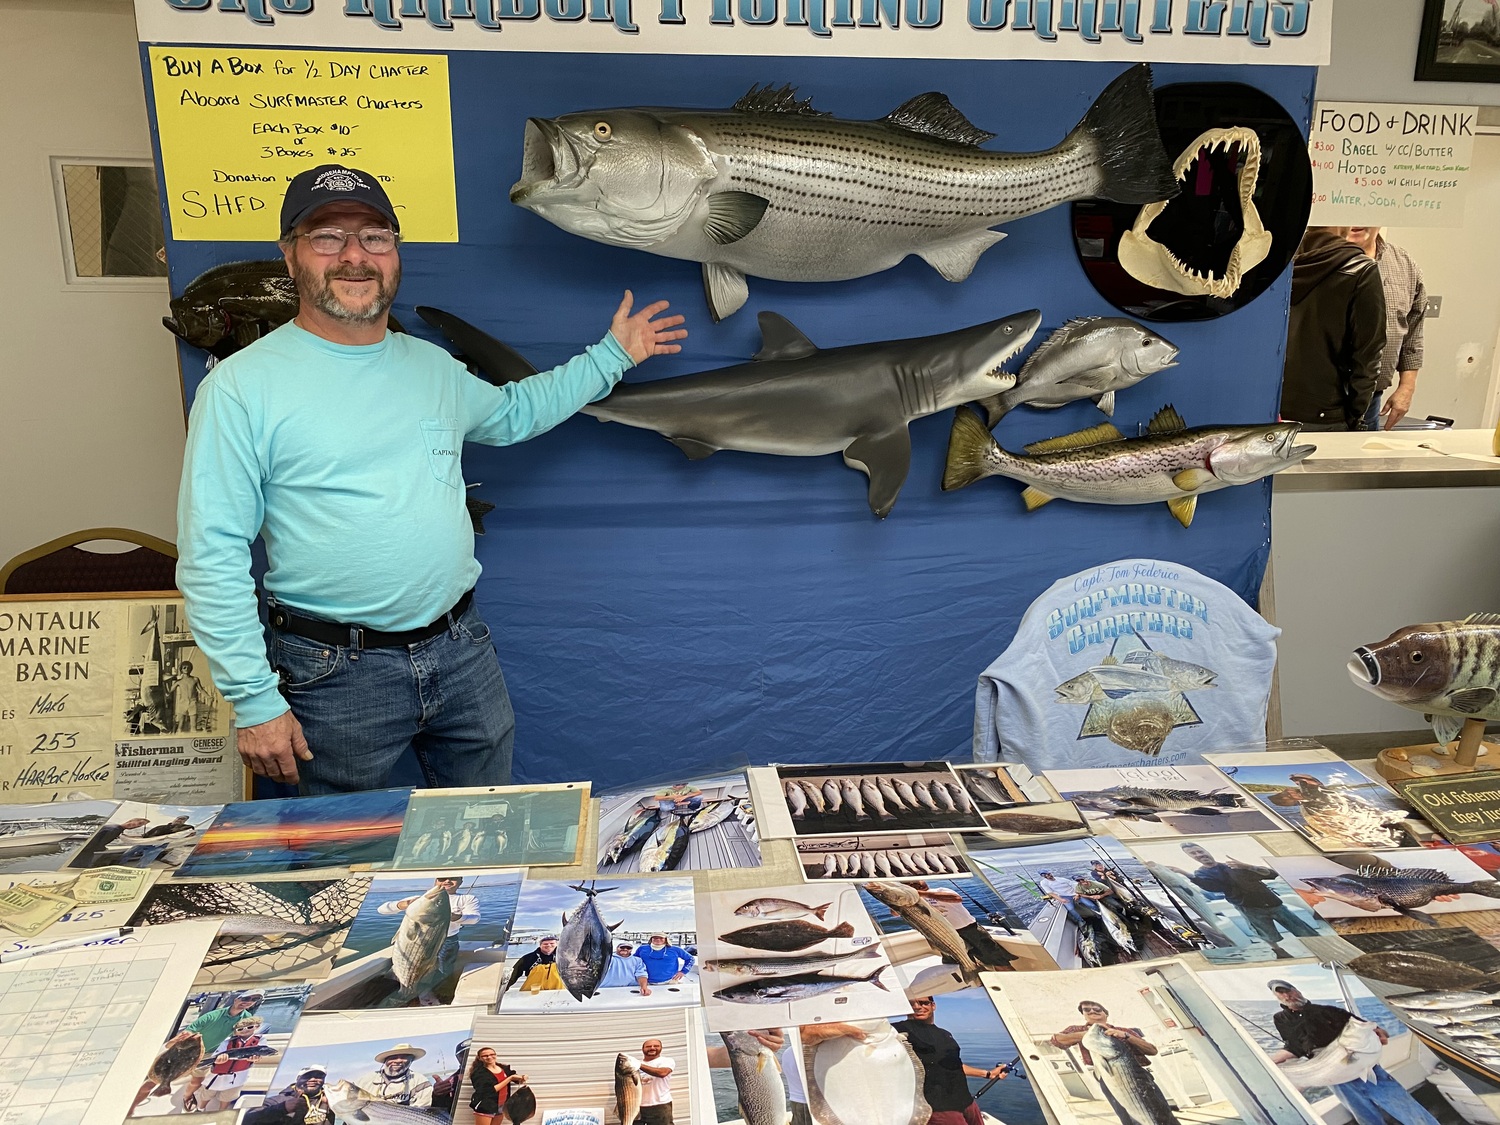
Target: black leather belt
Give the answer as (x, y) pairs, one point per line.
(357, 636)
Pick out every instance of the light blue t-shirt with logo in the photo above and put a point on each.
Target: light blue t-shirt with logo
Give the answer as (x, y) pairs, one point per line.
(1136, 662)
(347, 461)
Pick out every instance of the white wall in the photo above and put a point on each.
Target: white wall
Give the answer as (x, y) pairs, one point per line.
(1374, 57)
(90, 399)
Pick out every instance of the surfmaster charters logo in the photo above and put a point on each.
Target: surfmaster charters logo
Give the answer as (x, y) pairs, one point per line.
(339, 179)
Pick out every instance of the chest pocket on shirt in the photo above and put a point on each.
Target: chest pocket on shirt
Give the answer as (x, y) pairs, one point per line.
(444, 442)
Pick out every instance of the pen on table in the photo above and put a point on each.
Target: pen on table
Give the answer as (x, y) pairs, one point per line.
(66, 943)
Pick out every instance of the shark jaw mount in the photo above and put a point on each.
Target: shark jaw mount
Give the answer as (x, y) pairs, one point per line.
(1218, 171)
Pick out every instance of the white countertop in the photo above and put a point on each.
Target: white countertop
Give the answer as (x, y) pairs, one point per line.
(1394, 459)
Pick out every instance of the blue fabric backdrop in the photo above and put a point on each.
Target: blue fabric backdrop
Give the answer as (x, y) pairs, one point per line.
(656, 615)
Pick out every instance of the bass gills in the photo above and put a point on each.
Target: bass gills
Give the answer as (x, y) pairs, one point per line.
(774, 188)
(627, 1090)
(419, 941)
(1449, 670)
(1091, 357)
(1171, 463)
(874, 1081)
(1124, 1076)
(757, 1079)
(583, 952)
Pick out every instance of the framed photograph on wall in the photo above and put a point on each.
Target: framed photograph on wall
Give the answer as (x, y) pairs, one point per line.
(1460, 41)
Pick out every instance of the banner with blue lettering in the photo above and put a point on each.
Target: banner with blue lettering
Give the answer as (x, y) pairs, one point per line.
(660, 615)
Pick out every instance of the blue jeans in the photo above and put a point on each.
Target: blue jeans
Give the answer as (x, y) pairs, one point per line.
(1372, 415)
(360, 710)
(1365, 1100)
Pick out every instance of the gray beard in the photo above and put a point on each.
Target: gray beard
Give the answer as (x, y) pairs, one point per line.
(315, 285)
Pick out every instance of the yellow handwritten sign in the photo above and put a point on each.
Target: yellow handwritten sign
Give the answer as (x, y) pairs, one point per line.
(236, 124)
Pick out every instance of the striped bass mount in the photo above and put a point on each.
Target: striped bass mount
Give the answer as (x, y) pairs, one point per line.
(774, 188)
(1101, 465)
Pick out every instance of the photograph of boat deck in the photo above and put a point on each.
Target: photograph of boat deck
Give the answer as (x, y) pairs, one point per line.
(687, 826)
(1089, 902)
(1140, 1044)
(44, 837)
(1149, 801)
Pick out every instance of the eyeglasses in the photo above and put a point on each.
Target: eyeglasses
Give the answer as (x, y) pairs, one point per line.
(332, 240)
(923, 1004)
(1090, 1008)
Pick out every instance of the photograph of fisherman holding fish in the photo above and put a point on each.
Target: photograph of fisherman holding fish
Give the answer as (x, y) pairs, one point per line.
(703, 825)
(846, 800)
(1090, 902)
(1332, 1038)
(423, 939)
(1391, 890)
(1234, 898)
(384, 1068)
(1136, 802)
(579, 930)
(792, 955)
(1325, 799)
(1122, 1046)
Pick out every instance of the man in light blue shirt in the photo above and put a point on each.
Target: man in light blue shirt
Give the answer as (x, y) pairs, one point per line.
(626, 969)
(338, 443)
(665, 964)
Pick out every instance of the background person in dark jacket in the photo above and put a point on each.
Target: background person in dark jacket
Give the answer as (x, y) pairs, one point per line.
(1335, 335)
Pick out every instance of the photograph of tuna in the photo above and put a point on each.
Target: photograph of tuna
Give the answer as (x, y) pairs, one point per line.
(592, 946)
(792, 955)
(914, 856)
(1089, 902)
(1234, 898)
(141, 835)
(706, 825)
(940, 934)
(44, 837)
(863, 1071)
(224, 1046)
(1392, 890)
(1144, 801)
(1331, 803)
(423, 939)
(292, 834)
(844, 800)
(1334, 1040)
(593, 1064)
(1140, 1044)
(498, 826)
(361, 1062)
(282, 929)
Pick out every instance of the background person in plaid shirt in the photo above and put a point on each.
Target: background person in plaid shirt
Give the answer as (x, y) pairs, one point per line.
(1405, 306)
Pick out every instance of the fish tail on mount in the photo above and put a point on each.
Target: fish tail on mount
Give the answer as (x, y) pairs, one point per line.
(1121, 124)
(972, 453)
(996, 407)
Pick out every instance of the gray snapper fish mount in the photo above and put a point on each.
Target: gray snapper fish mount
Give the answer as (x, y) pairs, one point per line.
(774, 188)
(797, 400)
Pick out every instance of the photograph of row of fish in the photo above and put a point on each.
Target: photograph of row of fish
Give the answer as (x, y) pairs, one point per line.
(698, 825)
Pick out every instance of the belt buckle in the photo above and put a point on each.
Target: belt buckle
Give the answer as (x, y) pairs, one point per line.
(356, 638)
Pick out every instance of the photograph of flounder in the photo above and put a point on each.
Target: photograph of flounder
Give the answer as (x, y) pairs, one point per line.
(423, 939)
(705, 825)
(917, 855)
(1142, 801)
(585, 947)
(868, 797)
(1142, 1045)
(792, 955)
(273, 929)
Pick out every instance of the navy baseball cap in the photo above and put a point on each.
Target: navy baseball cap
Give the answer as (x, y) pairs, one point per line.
(333, 183)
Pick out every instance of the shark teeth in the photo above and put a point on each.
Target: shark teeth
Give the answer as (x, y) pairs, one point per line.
(1150, 262)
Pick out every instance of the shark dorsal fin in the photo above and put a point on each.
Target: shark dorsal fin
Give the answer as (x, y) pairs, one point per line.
(1094, 435)
(770, 99)
(933, 115)
(1058, 338)
(1166, 421)
(1482, 619)
(781, 339)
